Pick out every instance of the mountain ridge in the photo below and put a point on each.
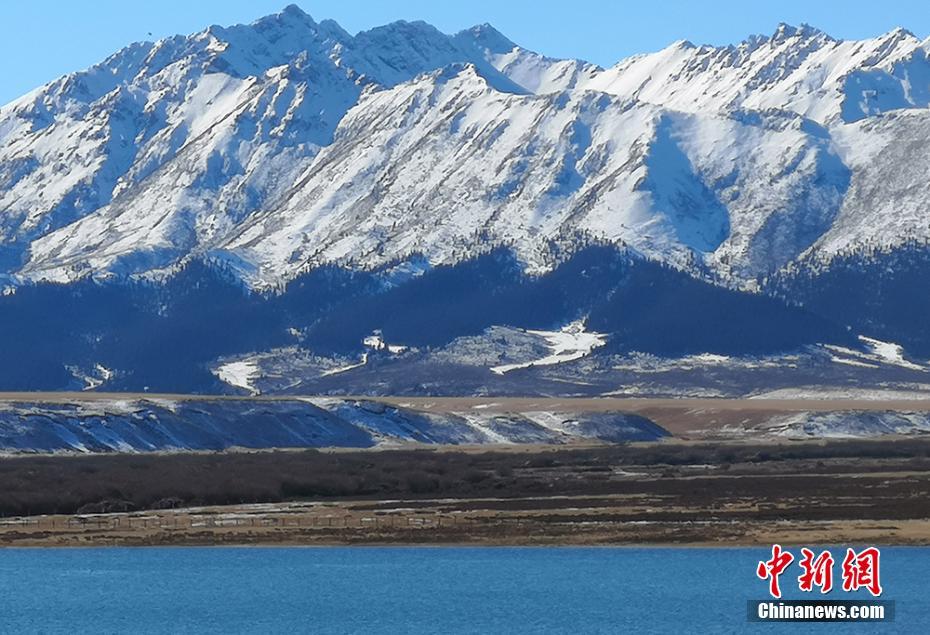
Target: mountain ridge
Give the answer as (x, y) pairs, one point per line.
(284, 206)
(177, 148)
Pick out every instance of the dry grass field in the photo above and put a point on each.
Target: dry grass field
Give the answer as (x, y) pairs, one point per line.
(669, 493)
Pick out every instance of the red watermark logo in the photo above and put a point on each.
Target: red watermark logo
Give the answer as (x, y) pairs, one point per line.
(859, 570)
(816, 571)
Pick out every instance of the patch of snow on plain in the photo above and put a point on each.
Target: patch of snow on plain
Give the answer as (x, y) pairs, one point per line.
(567, 345)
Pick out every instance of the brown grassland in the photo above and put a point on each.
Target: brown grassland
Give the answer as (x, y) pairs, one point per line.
(663, 493)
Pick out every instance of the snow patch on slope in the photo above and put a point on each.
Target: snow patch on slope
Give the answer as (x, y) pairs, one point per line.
(858, 394)
(570, 343)
(847, 425)
(345, 369)
(890, 352)
(239, 374)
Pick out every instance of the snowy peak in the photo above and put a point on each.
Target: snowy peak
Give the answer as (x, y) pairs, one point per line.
(800, 69)
(487, 38)
(275, 40)
(286, 143)
(401, 50)
(785, 32)
(226, 117)
(292, 11)
(290, 18)
(533, 72)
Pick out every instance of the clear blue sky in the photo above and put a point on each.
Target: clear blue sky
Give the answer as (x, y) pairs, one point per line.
(42, 39)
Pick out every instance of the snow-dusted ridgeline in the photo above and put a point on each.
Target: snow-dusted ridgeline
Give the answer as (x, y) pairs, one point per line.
(289, 142)
(160, 425)
(164, 426)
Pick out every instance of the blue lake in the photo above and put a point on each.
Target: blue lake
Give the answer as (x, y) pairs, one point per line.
(416, 590)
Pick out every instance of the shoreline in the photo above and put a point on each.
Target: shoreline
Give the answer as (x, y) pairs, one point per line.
(348, 525)
(468, 545)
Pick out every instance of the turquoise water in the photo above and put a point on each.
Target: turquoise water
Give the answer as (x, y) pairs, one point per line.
(413, 590)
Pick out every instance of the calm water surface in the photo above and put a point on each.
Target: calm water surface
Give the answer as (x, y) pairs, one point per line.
(414, 590)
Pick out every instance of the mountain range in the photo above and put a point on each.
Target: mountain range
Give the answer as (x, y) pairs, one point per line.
(309, 187)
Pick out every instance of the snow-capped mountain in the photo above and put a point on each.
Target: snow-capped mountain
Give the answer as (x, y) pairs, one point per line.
(182, 139)
(288, 143)
(798, 69)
